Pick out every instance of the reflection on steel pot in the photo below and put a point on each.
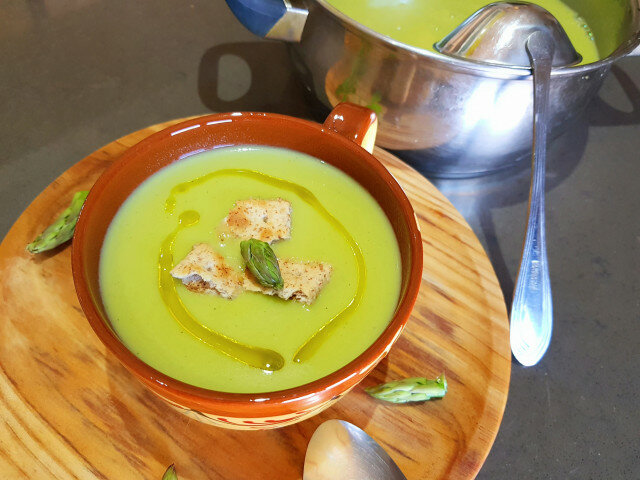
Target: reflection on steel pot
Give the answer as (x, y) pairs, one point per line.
(454, 116)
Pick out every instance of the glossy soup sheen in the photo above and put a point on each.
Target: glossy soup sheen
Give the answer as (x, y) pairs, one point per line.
(422, 23)
(130, 257)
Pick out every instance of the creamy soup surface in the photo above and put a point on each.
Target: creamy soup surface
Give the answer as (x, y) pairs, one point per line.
(130, 273)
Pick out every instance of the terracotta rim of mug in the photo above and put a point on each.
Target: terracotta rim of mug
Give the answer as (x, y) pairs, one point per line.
(207, 133)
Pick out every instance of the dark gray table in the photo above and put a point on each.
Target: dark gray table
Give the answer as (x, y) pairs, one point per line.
(75, 75)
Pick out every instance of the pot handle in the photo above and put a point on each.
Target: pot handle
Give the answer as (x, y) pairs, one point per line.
(356, 123)
(277, 19)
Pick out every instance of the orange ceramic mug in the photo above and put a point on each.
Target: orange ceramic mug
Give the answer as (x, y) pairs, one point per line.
(337, 142)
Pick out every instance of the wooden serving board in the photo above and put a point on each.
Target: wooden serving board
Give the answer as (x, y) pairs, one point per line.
(69, 410)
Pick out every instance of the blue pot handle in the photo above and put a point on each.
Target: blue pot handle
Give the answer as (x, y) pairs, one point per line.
(280, 19)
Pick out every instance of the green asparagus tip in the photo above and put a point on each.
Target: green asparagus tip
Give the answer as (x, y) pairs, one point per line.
(170, 474)
(262, 263)
(417, 389)
(62, 229)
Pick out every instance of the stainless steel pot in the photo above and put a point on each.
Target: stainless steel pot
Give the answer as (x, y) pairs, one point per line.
(453, 116)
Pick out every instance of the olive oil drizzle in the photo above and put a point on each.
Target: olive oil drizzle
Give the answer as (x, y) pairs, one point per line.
(311, 345)
(253, 356)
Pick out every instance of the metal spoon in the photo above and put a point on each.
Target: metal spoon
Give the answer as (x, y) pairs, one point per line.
(521, 35)
(339, 449)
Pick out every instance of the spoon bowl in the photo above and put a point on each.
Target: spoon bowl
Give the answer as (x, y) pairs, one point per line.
(497, 33)
(339, 449)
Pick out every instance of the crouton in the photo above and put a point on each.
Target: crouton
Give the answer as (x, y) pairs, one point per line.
(266, 220)
(302, 280)
(205, 271)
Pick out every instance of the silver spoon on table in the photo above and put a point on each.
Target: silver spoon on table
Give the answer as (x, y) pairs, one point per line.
(340, 450)
(519, 34)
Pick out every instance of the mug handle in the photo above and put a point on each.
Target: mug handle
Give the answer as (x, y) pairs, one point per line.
(356, 123)
(277, 19)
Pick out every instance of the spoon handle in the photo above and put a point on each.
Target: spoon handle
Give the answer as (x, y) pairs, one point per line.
(532, 309)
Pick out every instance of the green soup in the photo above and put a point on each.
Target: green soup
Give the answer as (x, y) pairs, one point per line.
(130, 275)
(422, 23)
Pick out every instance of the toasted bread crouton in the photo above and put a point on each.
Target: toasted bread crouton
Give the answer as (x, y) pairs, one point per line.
(205, 271)
(265, 220)
(302, 280)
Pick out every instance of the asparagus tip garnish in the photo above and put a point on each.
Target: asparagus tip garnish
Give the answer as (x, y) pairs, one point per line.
(170, 474)
(262, 263)
(62, 229)
(417, 389)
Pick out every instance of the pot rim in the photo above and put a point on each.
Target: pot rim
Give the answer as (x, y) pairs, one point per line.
(499, 71)
(174, 388)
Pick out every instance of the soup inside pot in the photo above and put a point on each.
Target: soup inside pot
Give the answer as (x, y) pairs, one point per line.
(595, 27)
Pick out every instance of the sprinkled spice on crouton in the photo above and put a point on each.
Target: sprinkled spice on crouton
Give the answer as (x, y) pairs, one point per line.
(205, 271)
(265, 220)
(302, 280)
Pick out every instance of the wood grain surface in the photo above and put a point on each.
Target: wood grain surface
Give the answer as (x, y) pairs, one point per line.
(69, 410)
